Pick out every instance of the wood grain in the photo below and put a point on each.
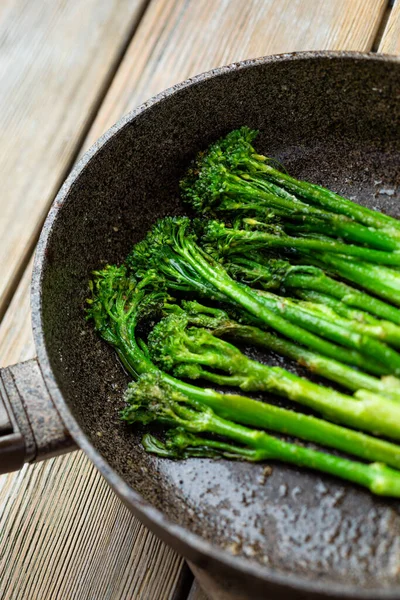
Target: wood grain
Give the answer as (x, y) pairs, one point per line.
(63, 534)
(180, 38)
(56, 58)
(390, 43)
(16, 339)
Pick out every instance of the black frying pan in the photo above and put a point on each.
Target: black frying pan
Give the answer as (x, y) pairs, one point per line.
(331, 118)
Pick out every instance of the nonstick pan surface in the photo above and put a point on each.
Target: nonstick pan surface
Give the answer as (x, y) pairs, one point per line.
(330, 118)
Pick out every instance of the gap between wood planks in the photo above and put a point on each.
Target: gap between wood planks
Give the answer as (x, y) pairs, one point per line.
(382, 27)
(390, 43)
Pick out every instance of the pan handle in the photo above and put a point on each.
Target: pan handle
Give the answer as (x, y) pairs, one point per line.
(30, 427)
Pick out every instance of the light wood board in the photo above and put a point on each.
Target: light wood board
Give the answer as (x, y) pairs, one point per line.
(56, 60)
(64, 534)
(16, 339)
(175, 40)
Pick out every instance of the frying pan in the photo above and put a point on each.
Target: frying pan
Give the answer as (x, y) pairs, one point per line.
(333, 118)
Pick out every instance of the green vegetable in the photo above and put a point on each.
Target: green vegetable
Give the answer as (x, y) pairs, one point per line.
(380, 280)
(325, 326)
(348, 333)
(221, 325)
(194, 353)
(171, 249)
(320, 282)
(307, 314)
(181, 444)
(117, 306)
(360, 321)
(231, 176)
(150, 399)
(238, 240)
(274, 274)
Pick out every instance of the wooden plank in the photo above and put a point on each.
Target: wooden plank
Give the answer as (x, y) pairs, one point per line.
(16, 339)
(56, 59)
(64, 534)
(51, 513)
(178, 39)
(390, 43)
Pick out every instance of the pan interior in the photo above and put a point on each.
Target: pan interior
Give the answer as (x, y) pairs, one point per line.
(332, 121)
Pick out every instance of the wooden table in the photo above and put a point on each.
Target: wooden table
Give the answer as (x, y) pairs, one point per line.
(69, 70)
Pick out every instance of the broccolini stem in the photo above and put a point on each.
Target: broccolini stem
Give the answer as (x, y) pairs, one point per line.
(253, 193)
(350, 296)
(180, 444)
(373, 413)
(333, 306)
(243, 240)
(172, 408)
(349, 334)
(321, 196)
(381, 281)
(248, 411)
(272, 274)
(251, 301)
(385, 330)
(377, 477)
(341, 318)
(326, 367)
(349, 231)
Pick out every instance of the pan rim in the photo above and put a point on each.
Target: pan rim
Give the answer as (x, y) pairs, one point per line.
(197, 549)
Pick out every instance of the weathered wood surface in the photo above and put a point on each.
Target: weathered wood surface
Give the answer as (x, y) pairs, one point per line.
(16, 339)
(62, 532)
(56, 60)
(390, 43)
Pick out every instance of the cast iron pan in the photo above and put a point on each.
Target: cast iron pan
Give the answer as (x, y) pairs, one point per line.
(331, 118)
